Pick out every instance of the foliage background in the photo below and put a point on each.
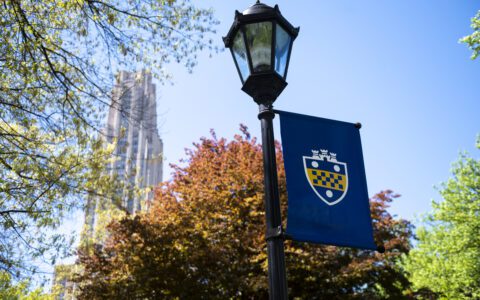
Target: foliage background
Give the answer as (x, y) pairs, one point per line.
(446, 258)
(57, 60)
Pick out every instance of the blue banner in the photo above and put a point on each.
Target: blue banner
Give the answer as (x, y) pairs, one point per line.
(326, 184)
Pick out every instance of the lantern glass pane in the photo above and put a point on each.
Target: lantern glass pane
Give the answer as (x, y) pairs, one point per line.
(282, 47)
(259, 41)
(240, 55)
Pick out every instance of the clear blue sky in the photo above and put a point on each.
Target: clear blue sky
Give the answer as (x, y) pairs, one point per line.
(394, 66)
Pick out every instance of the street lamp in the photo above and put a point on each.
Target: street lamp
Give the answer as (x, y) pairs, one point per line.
(260, 40)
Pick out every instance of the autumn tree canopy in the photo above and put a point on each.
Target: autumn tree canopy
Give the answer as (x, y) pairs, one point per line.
(203, 238)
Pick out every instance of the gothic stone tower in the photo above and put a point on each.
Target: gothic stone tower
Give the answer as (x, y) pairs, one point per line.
(132, 121)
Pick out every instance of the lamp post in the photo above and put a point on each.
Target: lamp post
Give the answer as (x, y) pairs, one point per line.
(260, 40)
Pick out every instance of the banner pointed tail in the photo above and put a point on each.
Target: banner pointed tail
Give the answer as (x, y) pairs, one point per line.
(326, 183)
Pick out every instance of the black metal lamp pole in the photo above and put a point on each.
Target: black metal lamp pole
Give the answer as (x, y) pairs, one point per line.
(261, 40)
(275, 249)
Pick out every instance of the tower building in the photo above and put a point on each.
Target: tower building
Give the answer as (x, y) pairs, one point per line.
(132, 119)
(132, 124)
(138, 163)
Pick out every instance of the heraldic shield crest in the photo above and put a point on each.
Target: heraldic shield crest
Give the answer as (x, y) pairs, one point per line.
(327, 176)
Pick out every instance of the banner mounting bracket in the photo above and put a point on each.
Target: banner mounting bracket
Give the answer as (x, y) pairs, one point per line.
(275, 232)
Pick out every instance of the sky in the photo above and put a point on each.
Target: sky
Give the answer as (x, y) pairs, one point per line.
(395, 66)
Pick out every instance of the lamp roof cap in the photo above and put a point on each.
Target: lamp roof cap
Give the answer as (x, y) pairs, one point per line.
(258, 8)
(258, 12)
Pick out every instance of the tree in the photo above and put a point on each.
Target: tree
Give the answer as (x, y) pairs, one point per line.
(203, 238)
(473, 40)
(447, 257)
(57, 60)
(11, 291)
